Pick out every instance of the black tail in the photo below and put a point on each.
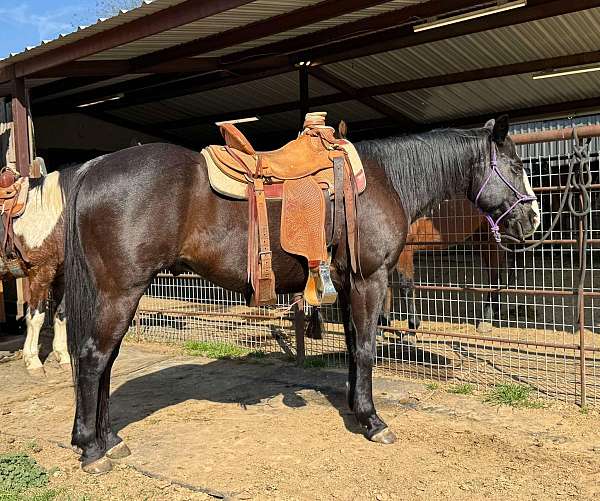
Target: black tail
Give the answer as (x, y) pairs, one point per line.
(80, 289)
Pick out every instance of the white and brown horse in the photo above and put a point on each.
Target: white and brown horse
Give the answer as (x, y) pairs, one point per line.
(40, 230)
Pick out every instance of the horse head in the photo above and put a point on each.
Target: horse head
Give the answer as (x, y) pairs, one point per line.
(500, 187)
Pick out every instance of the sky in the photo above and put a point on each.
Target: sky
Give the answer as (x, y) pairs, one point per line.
(27, 22)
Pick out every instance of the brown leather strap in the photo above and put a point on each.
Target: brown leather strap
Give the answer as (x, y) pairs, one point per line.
(263, 280)
(338, 213)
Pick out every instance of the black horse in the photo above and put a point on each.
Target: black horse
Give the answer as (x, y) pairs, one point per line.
(147, 208)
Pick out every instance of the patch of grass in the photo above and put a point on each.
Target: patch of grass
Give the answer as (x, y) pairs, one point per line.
(585, 410)
(20, 472)
(219, 350)
(432, 386)
(514, 395)
(314, 363)
(462, 389)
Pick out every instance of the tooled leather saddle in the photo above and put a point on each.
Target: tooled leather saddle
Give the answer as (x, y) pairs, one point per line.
(313, 176)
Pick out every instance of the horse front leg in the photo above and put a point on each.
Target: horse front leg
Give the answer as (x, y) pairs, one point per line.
(39, 286)
(34, 320)
(366, 300)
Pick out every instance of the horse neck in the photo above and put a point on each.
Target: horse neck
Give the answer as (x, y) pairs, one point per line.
(425, 170)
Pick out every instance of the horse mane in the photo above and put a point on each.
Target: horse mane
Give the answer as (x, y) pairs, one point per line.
(428, 168)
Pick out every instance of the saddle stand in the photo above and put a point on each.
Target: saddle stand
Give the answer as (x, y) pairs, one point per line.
(313, 176)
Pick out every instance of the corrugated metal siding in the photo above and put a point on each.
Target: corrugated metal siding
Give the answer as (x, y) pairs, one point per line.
(554, 147)
(558, 36)
(147, 7)
(490, 96)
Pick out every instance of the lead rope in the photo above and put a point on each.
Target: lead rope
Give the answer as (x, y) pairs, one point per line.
(579, 181)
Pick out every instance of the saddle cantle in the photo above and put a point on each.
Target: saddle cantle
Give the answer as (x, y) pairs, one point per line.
(313, 175)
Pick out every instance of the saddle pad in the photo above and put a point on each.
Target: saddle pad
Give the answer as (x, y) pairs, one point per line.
(221, 182)
(303, 220)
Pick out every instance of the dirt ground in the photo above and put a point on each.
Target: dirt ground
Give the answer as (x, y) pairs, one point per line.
(263, 429)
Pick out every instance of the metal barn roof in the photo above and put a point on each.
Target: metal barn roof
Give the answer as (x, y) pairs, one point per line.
(175, 65)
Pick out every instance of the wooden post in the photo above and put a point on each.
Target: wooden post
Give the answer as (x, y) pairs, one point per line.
(304, 107)
(299, 322)
(20, 125)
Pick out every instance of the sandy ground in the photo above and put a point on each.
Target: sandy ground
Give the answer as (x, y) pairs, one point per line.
(202, 428)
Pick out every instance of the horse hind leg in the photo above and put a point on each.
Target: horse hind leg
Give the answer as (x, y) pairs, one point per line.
(31, 357)
(59, 344)
(91, 430)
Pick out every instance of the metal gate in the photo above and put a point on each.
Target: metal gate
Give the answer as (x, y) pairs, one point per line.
(535, 337)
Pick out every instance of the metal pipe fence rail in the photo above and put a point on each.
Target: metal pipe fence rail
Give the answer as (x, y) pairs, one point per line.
(487, 316)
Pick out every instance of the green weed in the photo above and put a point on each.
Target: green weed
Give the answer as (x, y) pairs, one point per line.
(462, 389)
(219, 350)
(514, 395)
(18, 473)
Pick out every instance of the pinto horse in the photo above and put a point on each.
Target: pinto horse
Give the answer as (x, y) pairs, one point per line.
(40, 230)
(453, 222)
(135, 212)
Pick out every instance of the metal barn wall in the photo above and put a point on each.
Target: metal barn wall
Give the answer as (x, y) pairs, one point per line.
(533, 339)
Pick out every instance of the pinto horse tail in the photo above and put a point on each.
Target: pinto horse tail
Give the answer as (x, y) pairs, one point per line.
(80, 289)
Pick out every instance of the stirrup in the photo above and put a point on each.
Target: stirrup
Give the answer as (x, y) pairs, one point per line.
(319, 288)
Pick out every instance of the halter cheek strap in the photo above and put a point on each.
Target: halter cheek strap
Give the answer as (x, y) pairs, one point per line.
(521, 198)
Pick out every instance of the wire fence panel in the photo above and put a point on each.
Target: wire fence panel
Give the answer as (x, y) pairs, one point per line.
(486, 316)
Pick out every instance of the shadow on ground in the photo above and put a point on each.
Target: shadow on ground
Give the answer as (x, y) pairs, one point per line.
(244, 382)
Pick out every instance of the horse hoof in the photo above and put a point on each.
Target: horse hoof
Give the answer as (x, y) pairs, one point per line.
(484, 327)
(119, 451)
(98, 467)
(77, 450)
(385, 437)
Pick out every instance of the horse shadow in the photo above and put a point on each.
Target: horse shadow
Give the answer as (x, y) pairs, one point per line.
(242, 382)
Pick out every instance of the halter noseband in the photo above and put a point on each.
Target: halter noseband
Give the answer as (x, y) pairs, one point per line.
(494, 225)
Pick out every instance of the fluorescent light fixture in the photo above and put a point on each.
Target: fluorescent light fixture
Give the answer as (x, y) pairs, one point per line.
(93, 103)
(567, 71)
(303, 63)
(238, 121)
(500, 7)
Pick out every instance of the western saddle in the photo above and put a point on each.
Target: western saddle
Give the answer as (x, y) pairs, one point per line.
(14, 192)
(314, 176)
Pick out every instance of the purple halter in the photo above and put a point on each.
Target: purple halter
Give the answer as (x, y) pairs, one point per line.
(494, 228)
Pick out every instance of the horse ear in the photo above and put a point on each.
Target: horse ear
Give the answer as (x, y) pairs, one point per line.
(500, 130)
(490, 124)
(343, 129)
